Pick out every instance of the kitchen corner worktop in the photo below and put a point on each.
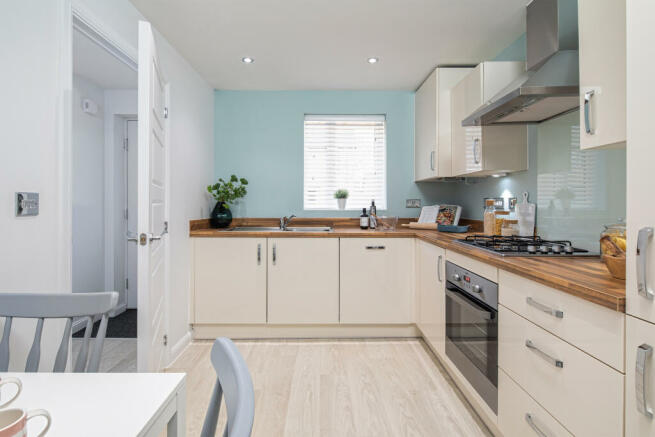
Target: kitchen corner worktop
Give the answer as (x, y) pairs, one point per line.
(584, 277)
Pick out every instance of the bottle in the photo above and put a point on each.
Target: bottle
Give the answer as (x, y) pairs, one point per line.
(363, 219)
(373, 215)
(489, 217)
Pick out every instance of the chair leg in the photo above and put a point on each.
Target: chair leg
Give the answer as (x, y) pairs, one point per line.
(211, 419)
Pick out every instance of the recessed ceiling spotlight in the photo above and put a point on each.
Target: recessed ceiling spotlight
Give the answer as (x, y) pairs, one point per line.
(247, 60)
(373, 60)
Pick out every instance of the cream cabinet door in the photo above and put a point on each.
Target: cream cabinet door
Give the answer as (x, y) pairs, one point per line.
(303, 280)
(377, 280)
(639, 378)
(229, 280)
(640, 269)
(425, 129)
(602, 51)
(430, 312)
(465, 98)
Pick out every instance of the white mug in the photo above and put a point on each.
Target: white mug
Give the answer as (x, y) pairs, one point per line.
(10, 380)
(13, 423)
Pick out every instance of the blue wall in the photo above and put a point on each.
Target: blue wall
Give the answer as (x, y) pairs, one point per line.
(259, 136)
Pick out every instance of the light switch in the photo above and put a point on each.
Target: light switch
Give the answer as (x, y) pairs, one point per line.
(27, 204)
(412, 203)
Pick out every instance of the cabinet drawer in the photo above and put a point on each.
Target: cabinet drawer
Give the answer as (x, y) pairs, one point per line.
(582, 393)
(377, 280)
(520, 415)
(596, 330)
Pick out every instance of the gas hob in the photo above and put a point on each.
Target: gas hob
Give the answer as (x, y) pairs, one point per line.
(524, 246)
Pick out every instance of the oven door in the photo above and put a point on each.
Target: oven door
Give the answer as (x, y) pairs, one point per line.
(472, 341)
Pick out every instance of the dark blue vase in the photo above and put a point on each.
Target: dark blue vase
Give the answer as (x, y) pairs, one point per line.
(221, 216)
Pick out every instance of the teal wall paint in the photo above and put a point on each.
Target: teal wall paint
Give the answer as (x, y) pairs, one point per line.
(259, 136)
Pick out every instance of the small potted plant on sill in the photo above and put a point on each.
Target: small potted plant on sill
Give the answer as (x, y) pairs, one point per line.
(341, 195)
(225, 192)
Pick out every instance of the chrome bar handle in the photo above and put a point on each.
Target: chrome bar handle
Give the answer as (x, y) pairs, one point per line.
(274, 253)
(160, 236)
(132, 237)
(535, 428)
(587, 103)
(432, 160)
(439, 268)
(643, 238)
(476, 146)
(546, 309)
(259, 254)
(375, 247)
(554, 361)
(644, 352)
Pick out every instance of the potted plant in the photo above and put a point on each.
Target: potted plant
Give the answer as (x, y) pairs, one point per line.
(225, 193)
(341, 195)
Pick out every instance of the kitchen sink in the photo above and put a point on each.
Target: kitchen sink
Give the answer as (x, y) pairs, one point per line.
(277, 229)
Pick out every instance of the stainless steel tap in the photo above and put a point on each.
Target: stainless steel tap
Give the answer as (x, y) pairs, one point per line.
(284, 221)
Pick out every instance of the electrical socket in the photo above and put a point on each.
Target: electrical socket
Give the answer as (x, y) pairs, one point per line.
(412, 203)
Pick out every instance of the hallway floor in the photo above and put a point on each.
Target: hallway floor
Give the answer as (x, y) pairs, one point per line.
(337, 388)
(118, 354)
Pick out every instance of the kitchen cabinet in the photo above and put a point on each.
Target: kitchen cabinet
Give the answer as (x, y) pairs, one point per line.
(432, 132)
(303, 280)
(640, 154)
(485, 150)
(602, 51)
(377, 280)
(229, 280)
(640, 371)
(431, 285)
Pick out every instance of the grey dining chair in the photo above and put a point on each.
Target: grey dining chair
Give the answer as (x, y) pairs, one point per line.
(41, 306)
(234, 383)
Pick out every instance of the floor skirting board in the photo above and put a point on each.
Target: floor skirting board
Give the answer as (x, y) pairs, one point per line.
(208, 332)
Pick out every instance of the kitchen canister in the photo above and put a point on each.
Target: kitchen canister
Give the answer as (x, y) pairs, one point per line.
(525, 213)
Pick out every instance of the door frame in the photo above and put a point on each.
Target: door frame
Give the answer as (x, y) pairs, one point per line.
(126, 189)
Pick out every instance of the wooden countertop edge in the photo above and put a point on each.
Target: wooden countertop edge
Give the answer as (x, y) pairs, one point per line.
(598, 296)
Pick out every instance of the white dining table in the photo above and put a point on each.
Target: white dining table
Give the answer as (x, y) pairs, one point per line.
(104, 404)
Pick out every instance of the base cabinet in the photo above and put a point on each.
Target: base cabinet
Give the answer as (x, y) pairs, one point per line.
(377, 280)
(430, 308)
(230, 280)
(303, 280)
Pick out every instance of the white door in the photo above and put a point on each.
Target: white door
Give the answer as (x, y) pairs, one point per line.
(151, 198)
(131, 136)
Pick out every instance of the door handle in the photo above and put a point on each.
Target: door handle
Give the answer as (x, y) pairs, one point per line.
(259, 254)
(587, 104)
(133, 238)
(375, 247)
(160, 236)
(643, 238)
(554, 361)
(535, 428)
(274, 253)
(439, 268)
(432, 160)
(546, 309)
(476, 147)
(644, 352)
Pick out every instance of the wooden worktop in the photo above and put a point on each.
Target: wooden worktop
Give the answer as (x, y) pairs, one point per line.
(585, 277)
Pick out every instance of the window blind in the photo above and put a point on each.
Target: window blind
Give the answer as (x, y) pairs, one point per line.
(345, 152)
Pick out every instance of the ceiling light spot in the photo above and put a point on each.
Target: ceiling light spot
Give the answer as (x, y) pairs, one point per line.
(373, 60)
(247, 60)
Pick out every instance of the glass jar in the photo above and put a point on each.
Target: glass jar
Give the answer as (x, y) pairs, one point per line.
(616, 233)
(489, 217)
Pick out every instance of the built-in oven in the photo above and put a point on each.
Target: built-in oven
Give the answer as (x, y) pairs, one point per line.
(472, 330)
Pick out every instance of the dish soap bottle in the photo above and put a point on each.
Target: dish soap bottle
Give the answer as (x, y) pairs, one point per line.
(373, 212)
(363, 219)
(489, 217)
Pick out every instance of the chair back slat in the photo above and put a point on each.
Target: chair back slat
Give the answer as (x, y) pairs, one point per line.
(62, 353)
(34, 357)
(4, 345)
(235, 384)
(42, 306)
(80, 363)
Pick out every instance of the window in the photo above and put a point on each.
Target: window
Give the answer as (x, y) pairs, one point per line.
(345, 151)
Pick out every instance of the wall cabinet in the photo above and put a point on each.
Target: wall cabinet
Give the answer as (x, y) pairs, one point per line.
(431, 285)
(377, 280)
(303, 280)
(602, 51)
(485, 150)
(432, 132)
(230, 280)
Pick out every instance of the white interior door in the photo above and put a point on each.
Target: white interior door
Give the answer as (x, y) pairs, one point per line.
(131, 165)
(152, 219)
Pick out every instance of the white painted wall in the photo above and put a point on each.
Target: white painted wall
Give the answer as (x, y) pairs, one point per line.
(88, 189)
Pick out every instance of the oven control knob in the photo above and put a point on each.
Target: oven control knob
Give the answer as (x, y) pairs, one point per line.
(476, 289)
(457, 278)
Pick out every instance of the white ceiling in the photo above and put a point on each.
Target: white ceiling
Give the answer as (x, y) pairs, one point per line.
(324, 44)
(99, 66)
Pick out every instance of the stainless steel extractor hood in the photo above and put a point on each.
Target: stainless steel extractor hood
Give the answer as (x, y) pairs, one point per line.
(550, 85)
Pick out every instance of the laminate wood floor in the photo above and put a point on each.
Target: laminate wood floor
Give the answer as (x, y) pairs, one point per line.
(118, 354)
(337, 388)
